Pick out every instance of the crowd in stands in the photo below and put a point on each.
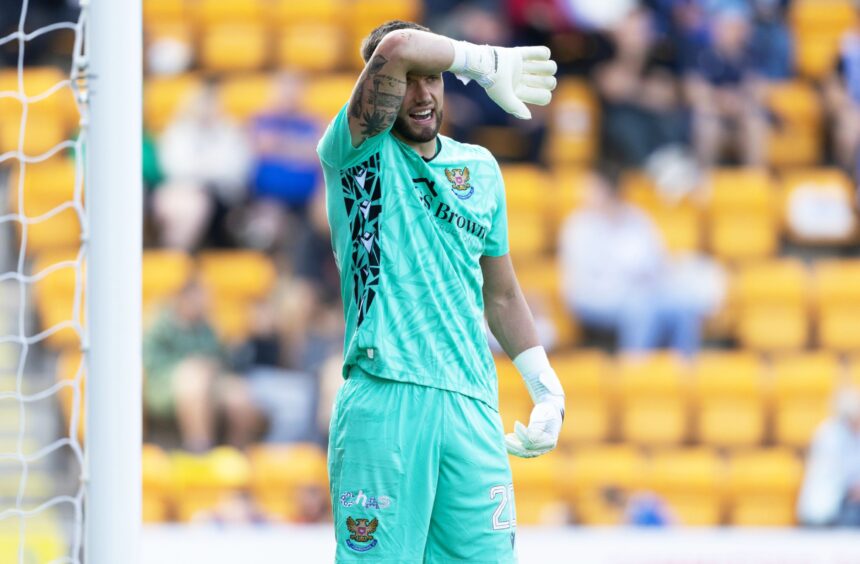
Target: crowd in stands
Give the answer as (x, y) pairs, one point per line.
(674, 92)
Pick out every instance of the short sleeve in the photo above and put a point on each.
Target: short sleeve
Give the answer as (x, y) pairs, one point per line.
(335, 147)
(497, 239)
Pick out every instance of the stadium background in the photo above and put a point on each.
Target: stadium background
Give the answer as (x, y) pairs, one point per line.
(720, 437)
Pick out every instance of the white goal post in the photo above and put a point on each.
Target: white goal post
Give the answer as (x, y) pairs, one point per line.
(114, 197)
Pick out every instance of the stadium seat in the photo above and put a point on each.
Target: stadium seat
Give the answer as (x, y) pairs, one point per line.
(819, 207)
(231, 47)
(245, 95)
(155, 11)
(680, 227)
(569, 193)
(209, 12)
(202, 481)
(47, 185)
(157, 484)
(280, 472)
(638, 188)
(163, 96)
(763, 486)
(653, 396)
(310, 47)
(690, 480)
(594, 473)
(742, 237)
(165, 272)
(837, 298)
(327, 94)
(575, 126)
(44, 541)
(585, 378)
(290, 12)
(729, 399)
(69, 368)
(772, 299)
(365, 15)
(803, 385)
(796, 138)
(741, 190)
(241, 274)
(526, 187)
(535, 487)
(528, 235)
(817, 27)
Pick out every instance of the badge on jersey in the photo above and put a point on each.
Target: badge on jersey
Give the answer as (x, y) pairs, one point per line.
(362, 533)
(459, 179)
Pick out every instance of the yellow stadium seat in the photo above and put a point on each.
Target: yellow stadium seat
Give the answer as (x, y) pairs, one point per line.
(290, 12)
(525, 188)
(231, 47)
(231, 319)
(729, 392)
(202, 481)
(60, 231)
(653, 399)
(742, 237)
(327, 94)
(831, 192)
(782, 282)
(155, 11)
(585, 378)
(157, 484)
(593, 472)
(818, 26)
(55, 102)
(796, 102)
(208, 12)
(528, 235)
(165, 272)
(763, 485)
(311, 47)
(796, 141)
(535, 488)
(691, 482)
(839, 329)
(638, 188)
(174, 29)
(794, 145)
(741, 190)
(837, 283)
(44, 540)
(243, 96)
(770, 328)
(242, 274)
(575, 126)
(803, 386)
(70, 369)
(47, 185)
(568, 194)
(280, 472)
(163, 96)
(680, 227)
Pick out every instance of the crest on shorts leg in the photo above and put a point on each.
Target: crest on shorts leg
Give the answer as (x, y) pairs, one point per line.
(361, 539)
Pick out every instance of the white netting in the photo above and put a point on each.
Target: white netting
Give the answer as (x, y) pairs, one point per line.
(41, 520)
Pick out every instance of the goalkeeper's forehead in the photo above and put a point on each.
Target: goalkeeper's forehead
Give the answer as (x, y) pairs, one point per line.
(419, 76)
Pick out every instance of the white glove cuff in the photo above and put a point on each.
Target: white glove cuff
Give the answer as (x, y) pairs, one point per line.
(473, 62)
(541, 381)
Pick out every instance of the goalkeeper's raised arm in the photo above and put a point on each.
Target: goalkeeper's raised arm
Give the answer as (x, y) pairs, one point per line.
(512, 77)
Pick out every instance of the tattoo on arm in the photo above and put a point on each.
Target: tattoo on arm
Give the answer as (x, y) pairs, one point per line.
(377, 98)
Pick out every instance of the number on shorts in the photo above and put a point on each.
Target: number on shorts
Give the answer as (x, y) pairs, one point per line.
(506, 493)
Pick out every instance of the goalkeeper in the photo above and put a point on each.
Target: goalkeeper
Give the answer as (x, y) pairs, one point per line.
(417, 455)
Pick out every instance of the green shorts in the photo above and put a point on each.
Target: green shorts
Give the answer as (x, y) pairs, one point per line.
(418, 475)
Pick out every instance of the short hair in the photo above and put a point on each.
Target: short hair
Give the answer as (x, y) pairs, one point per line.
(371, 42)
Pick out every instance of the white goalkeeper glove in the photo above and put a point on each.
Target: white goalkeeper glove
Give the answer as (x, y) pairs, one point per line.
(541, 436)
(512, 76)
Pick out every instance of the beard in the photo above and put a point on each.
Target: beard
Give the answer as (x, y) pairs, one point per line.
(418, 134)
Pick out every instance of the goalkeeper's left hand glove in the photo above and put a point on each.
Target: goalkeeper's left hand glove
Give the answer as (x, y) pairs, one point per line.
(512, 76)
(541, 435)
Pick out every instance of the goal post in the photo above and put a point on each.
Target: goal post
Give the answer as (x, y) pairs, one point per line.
(114, 197)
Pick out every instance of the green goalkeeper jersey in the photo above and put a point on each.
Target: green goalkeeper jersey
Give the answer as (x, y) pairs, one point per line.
(408, 234)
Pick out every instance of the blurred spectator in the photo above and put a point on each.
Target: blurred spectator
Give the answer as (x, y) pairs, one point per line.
(830, 494)
(287, 398)
(205, 157)
(639, 94)
(616, 274)
(185, 378)
(286, 172)
(842, 101)
(725, 94)
(470, 115)
(311, 314)
(771, 46)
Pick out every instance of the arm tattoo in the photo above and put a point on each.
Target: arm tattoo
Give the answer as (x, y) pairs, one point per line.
(377, 98)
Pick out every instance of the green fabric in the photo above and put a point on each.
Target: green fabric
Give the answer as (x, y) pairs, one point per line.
(408, 236)
(428, 465)
(152, 173)
(165, 345)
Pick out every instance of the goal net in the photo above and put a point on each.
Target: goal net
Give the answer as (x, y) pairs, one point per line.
(59, 151)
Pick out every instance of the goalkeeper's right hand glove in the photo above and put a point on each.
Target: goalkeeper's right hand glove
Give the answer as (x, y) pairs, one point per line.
(512, 76)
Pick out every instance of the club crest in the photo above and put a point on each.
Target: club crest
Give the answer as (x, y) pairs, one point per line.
(459, 179)
(362, 532)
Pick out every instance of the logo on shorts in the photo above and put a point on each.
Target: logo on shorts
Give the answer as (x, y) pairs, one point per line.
(362, 532)
(459, 179)
(348, 499)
